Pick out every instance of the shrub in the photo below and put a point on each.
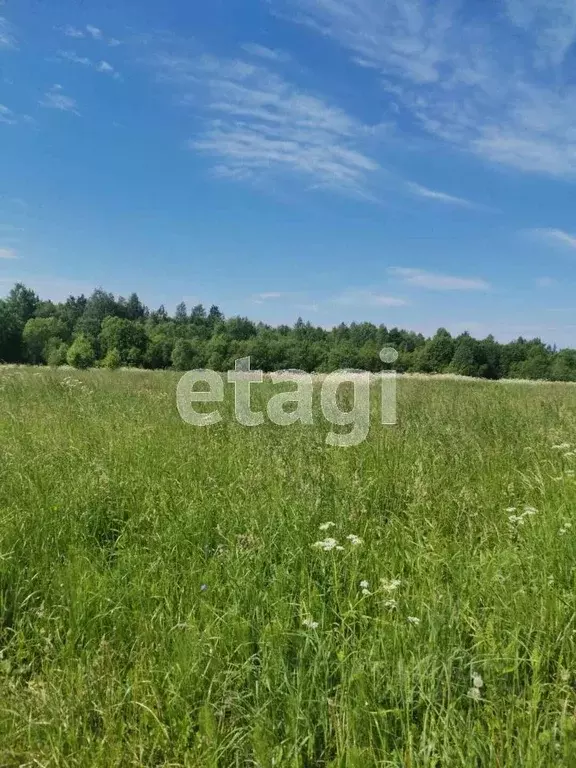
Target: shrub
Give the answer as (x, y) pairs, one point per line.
(112, 360)
(56, 352)
(81, 353)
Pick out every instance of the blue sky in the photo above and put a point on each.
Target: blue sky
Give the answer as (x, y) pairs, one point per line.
(401, 161)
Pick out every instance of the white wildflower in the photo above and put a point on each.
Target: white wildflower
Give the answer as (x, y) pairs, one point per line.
(477, 681)
(413, 620)
(364, 584)
(510, 509)
(326, 526)
(474, 693)
(561, 447)
(529, 511)
(366, 592)
(390, 604)
(354, 540)
(327, 545)
(390, 586)
(310, 624)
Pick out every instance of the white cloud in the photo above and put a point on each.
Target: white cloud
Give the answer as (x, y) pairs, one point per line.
(369, 298)
(550, 23)
(71, 31)
(7, 116)
(438, 282)
(266, 296)
(556, 235)
(8, 253)
(94, 31)
(56, 99)
(497, 89)
(262, 52)
(105, 67)
(101, 66)
(261, 126)
(74, 58)
(7, 39)
(441, 197)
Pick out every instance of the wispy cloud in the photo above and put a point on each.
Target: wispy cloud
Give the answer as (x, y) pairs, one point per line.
(440, 197)
(556, 236)
(8, 253)
(435, 281)
(71, 31)
(95, 32)
(56, 99)
(7, 37)
(74, 58)
(551, 24)
(7, 116)
(260, 298)
(259, 125)
(98, 66)
(451, 73)
(262, 52)
(368, 298)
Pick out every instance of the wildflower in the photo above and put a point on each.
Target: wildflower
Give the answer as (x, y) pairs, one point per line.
(327, 545)
(474, 693)
(390, 586)
(477, 681)
(561, 447)
(569, 455)
(529, 511)
(204, 587)
(413, 620)
(510, 509)
(310, 624)
(364, 584)
(354, 540)
(391, 604)
(326, 526)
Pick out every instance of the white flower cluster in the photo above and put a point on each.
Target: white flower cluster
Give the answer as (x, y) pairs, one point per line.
(475, 691)
(520, 519)
(329, 543)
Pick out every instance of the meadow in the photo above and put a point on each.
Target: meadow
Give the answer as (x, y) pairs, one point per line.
(225, 596)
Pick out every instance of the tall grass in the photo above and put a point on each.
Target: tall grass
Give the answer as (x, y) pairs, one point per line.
(162, 603)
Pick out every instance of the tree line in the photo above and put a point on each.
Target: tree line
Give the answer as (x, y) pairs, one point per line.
(110, 332)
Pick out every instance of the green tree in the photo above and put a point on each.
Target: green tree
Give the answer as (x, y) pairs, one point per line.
(10, 335)
(469, 358)
(112, 360)
(128, 337)
(81, 353)
(37, 333)
(186, 355)
(56, 352)
(437, 353)
(22, 303)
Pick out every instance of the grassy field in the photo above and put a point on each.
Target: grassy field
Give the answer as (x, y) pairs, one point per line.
(163, 603)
